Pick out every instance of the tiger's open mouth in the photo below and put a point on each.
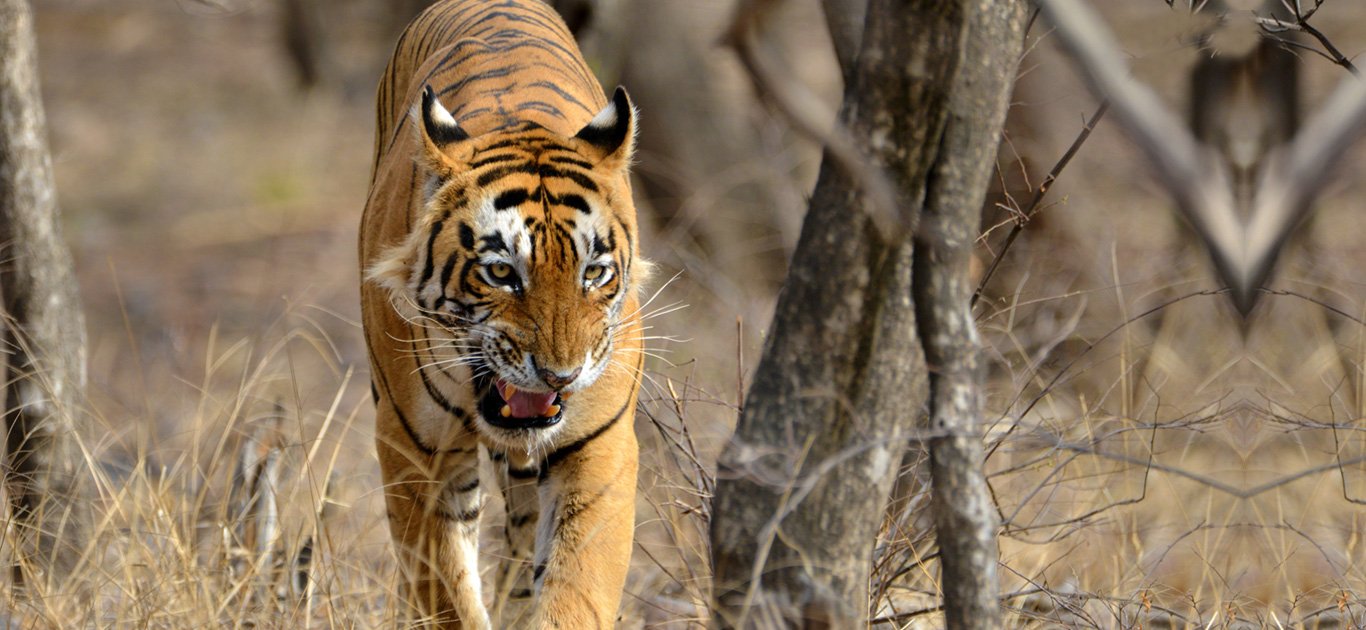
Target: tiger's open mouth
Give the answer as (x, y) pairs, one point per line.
(506, 406)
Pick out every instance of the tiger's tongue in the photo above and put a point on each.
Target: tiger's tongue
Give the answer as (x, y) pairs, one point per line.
(525, 404)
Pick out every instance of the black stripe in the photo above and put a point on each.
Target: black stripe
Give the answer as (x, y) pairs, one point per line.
(504, 144)
(408, 428)
(446, 272)
(501, 172)
(493, 243)
(568, 245)
(574, 176)
(466, 236)
(429, 266)
(437, 397)
(562, 94)
(408, 216)
(570, 64)
(629, 253)
(466, 516)
(562, 453)
(510, 198)
(518, 520)
(465, 275)
(572, 161)
(540, 106)
(495, 159)
(470, 485)
(468, 115)
(574, 201)
(527, 18)
(529, 473)
(402, 420)
(495, 73)
(451, 61)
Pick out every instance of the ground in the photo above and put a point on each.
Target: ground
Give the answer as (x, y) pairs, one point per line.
(212, 204)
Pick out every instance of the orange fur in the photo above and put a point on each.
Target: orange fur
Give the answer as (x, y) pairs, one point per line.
(527, 175)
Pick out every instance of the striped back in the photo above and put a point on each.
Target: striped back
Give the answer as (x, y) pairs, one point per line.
(493, 64)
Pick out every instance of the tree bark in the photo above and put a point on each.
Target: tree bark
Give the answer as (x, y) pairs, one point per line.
(965, 517)
(804, 482)
(44, 329)
(802, 485)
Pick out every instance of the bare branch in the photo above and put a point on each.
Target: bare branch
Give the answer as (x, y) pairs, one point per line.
(1243, 255)
(1273, 26)
(1199, 186)
(808, 117)
(1295, 178)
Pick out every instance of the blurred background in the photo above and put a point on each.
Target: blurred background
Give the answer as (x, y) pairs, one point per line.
(1158, 462)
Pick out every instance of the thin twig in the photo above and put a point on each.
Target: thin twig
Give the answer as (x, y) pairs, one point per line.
(1273, 26)
(1027, 212)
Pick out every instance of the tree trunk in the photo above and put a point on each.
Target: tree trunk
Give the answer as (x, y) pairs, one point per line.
(965, 517)
(44, 331)
(802, 485)
(804, 482)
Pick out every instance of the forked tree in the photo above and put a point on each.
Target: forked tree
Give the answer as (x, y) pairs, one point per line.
(872, 340)
(43, 329)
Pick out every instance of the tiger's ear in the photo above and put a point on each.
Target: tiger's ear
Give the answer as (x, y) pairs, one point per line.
(439, 133)
(611, 136)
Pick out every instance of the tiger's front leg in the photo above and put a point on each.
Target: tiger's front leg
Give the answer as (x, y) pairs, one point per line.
(433, 503)
(583, 540)
(513, 596)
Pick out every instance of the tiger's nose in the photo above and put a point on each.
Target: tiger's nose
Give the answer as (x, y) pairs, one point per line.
(556, 380)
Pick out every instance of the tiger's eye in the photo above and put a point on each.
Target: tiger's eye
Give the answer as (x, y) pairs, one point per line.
(500, 271)
(594, 272)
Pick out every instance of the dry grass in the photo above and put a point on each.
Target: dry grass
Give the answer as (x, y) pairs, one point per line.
(212, 209)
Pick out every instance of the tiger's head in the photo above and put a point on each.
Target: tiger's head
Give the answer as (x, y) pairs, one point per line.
(520, 267)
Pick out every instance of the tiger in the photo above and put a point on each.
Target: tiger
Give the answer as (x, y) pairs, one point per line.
(500, 300)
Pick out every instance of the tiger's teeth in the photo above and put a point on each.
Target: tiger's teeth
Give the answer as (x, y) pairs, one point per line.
(565, 395)
(552, 411)
(507, 411)
(509, 391)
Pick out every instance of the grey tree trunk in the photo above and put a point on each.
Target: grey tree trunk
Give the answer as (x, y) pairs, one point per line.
(44, 330)
(843, 380)
(964, 515)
